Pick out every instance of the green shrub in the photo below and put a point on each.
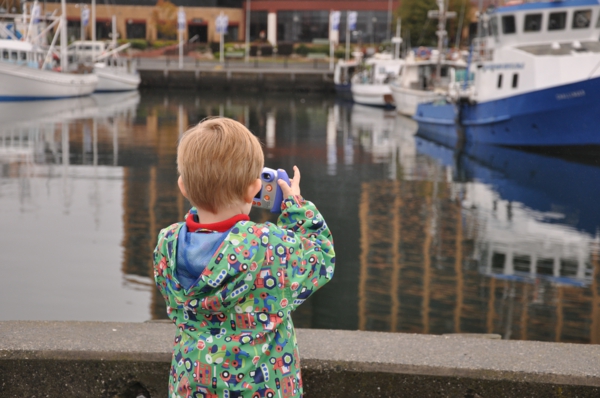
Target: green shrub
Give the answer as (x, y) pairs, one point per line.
(163, 43)
(140, 44)
(302, 50)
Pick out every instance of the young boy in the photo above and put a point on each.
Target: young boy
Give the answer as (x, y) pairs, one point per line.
(231, 284)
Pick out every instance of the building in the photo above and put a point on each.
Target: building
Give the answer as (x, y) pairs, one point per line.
(273, 20)
(155, 20)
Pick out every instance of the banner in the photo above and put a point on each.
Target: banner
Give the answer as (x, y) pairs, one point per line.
(85, 16)
(181, 20)
(335, 20)
(352, 17)
(35, 13)
(221, 24)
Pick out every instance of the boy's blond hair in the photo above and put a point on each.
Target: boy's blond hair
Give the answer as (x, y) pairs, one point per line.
(218, 160)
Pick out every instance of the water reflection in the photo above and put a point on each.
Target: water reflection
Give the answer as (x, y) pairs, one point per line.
(428, 240)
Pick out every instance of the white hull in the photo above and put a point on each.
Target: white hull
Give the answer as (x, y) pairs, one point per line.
(116, 79)
(372, 94)
(19, 82)
(407, 99)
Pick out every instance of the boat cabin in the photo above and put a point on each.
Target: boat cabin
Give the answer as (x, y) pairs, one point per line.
(21, 53)
(85, 51)
(553, 23)
(380, 69)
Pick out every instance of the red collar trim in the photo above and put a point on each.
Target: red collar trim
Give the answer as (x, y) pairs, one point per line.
(221, 226)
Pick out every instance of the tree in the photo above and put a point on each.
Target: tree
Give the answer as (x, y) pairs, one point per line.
(165, 19)
(420, 30)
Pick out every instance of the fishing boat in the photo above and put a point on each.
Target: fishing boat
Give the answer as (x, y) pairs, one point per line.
(342, 75)
(534, 78)
(115, 73)
(29, 73)
(371, 86)
(25, 76)
(418, 82)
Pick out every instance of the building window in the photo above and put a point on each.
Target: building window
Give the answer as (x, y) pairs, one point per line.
(103, 30)
(533, 23)
(508, 24)
(515, 82)
(557, 21)
(500, 80)
(232, 33)
(581, 19)
(258, 25)
(136, 30)
(494, 26)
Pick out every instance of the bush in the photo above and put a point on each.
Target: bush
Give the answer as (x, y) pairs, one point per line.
(215, 47)
(266, 49)
(140, 44)
(285, 49)
(163, 43)
(302, 50)
(339, 53)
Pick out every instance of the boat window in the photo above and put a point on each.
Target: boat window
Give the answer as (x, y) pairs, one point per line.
(557, 21)
(23, 56)
(500, 80)
(515, 81)
(508, 24)
(522, 263)
(494, 26)
(581, 19)
(87, 48)
(533, 23)
(5, 54)
(13, 55)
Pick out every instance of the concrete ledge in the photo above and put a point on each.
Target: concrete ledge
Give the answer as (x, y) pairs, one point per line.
(98, 359)
(260, 80)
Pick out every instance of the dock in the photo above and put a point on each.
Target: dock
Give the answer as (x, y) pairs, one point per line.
(236, 75)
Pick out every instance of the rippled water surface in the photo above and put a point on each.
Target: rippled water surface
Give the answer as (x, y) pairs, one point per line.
(491, 240)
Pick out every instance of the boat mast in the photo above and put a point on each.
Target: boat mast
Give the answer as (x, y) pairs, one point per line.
(64, 57)
(441, 33)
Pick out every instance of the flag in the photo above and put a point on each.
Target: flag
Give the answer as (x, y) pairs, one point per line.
(85, 16)
(221, 24)
(181, 19)
(352, 17)
(335, 20)
(35, 13)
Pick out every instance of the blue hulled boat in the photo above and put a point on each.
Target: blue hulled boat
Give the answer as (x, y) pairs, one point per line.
(534, 79)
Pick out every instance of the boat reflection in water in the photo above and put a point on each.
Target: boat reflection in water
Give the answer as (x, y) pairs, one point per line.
(488, 240)
(428, 239)
(59, 185)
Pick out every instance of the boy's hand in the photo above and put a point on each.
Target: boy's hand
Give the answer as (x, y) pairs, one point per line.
(294, 189)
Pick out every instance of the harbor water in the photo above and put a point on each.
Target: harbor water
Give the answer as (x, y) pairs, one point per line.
(428, 239)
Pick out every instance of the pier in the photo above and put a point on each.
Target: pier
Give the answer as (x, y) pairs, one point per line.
(276, 75)
(111, 359)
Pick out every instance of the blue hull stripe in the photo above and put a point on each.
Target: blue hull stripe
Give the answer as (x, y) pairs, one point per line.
(565, 115)
(8, 98)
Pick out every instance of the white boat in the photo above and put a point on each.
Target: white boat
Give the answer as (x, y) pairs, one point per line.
(22, 78)
(372, 85)
(342, 74)
(114, 73)
(418, 82)
(534, 79)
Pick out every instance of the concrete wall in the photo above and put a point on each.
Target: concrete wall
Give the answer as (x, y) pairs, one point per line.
(97, 359)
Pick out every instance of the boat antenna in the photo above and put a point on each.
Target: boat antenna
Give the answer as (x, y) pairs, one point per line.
(460, 24)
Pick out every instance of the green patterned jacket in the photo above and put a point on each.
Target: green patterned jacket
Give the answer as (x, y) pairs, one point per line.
(235, 336)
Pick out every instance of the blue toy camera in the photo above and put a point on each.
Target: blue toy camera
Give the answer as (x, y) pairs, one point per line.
(270, 195)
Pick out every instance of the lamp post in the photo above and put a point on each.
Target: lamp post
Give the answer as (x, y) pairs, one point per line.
(248, 30)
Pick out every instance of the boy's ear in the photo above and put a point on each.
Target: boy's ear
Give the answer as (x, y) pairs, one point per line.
(182, 187)
(253, 190)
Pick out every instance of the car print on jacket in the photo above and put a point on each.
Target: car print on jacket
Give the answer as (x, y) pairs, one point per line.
(235, 336)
